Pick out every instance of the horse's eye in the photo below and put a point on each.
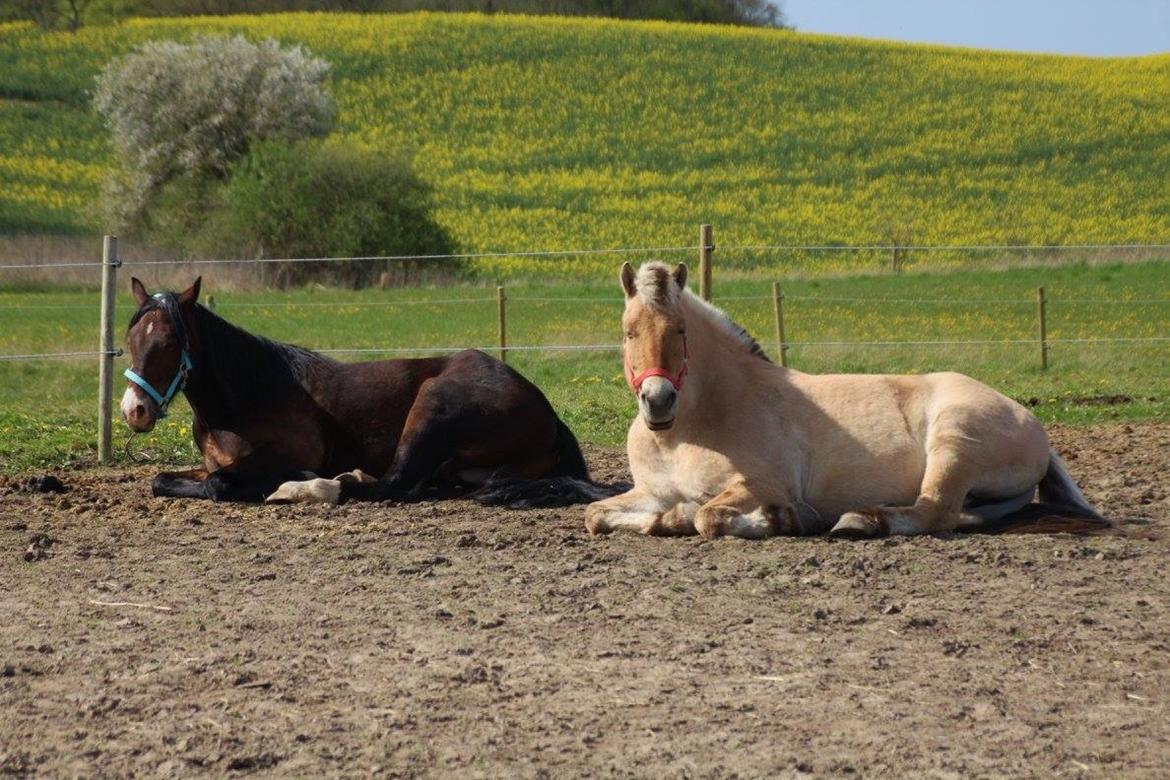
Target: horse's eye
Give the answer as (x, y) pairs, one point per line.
(682, 331)
(629, 334)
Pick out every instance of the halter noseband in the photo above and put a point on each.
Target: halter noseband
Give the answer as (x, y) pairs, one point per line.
(167, 304)
(635, 382)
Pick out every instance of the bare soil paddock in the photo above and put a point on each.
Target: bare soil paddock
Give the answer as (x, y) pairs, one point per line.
(448, 639)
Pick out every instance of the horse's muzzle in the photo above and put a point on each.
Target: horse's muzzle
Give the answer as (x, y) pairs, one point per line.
(658, 399)
(139, 412)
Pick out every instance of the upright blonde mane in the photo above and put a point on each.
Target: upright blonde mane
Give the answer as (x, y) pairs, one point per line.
(657, 289)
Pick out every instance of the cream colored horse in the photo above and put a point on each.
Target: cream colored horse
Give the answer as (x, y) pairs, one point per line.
(726, 442)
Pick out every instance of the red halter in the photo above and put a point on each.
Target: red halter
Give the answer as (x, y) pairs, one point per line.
(635, 382)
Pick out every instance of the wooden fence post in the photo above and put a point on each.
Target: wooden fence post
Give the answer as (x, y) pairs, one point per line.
(110, 264)
(1042, 316)
(501, 298)
(706, 247)
(778, 307)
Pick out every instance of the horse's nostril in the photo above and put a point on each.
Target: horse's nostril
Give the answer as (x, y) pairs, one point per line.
(140, 411)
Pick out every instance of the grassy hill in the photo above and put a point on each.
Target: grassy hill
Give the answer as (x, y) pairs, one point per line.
(544, 133)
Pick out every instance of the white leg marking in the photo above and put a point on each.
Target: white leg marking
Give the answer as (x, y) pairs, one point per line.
(357, 475)
(751, 526)
(634, 512)
(313, 491)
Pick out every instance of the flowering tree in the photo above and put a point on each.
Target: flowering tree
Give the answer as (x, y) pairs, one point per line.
(190, 111)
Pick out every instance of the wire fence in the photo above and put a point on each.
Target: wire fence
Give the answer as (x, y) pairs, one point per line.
(535, 305)
(616, 301)
(756, 249)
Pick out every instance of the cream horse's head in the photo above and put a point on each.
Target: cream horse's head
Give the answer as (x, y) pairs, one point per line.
(654, 347)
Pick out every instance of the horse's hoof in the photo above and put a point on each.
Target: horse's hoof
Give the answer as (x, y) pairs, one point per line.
(714, 522)
(856, 525)
(595, 523)
(313, 491)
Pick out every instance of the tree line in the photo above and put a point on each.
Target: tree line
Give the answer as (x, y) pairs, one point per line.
(73, 14)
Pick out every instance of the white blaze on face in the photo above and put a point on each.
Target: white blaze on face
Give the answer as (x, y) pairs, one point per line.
(130, 399)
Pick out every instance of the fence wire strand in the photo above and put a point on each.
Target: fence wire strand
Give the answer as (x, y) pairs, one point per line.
(614, 347)
(613, 251)
(60, 355)
(364, 259)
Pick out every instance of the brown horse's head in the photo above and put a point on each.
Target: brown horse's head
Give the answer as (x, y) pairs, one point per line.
(655, 343)
(159, 341)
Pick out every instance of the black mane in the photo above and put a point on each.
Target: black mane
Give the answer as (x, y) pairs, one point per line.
(244, 371)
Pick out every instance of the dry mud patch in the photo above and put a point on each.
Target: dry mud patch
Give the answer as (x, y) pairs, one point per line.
(141, 636)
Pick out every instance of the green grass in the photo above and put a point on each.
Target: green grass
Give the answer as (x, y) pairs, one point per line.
(49, 406)
(543, 133)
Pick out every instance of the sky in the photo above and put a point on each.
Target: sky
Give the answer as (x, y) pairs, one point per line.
(1097, 27)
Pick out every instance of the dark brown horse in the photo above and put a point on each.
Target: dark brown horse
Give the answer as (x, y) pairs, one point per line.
(266, 413)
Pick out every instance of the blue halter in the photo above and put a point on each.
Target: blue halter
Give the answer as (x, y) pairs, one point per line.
(185, 365)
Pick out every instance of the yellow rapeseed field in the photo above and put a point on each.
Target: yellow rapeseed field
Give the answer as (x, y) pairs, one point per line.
(545, 133)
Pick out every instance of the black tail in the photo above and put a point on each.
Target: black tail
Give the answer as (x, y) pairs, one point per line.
(1062, 508)
(543, 492)
(568, 483)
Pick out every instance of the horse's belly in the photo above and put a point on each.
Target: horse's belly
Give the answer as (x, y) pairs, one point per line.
(886, 474)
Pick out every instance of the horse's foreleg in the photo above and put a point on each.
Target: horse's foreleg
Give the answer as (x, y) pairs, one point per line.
(180, 484)
(738, 512)
(637, 510)
(938, 507)
(225, 485)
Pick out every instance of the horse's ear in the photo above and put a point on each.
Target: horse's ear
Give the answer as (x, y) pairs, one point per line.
(680, 275)
(627, 276)
(141, 296)
(191, 294)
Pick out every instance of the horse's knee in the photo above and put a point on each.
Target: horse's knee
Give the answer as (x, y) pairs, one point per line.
(216, 486)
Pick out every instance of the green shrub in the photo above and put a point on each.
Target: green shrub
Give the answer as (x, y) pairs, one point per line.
(326, 200)
(188, 113)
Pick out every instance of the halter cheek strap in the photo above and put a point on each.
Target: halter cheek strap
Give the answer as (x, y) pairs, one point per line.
(180, 381)
(635, 382)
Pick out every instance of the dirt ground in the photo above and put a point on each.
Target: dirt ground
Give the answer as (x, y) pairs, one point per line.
(142, 636)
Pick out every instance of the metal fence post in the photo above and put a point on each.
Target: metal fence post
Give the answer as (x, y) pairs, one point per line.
(778, 307)
(1042, 316)
(706, 247)
(110, 264)
(501, 299)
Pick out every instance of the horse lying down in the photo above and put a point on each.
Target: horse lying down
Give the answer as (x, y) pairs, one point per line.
(726, 442)
(269, 418)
